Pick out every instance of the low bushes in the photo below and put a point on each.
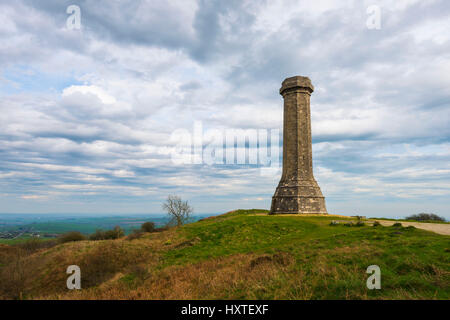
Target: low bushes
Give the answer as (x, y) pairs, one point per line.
(115, 233)
(425, 217)
(71, 236)
(148, 227)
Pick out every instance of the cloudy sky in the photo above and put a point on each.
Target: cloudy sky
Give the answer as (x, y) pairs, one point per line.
(88, 116)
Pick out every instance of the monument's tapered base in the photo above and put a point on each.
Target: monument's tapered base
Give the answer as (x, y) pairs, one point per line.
(298, 197)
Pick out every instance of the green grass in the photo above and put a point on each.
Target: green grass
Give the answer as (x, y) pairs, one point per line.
(243, 233)
(247, 255)
(408, 257)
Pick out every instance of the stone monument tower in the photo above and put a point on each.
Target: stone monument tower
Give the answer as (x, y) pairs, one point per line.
(298, 191)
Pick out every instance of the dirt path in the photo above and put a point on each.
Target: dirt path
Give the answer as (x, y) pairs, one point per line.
(435, 227)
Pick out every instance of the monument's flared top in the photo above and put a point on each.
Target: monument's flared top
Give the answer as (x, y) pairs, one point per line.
(297, 82)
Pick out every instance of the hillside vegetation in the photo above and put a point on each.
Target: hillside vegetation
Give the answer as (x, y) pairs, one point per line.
(244, 254)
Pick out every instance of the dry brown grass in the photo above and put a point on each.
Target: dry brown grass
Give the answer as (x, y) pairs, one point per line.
(241, 276)
(223, 278)
(13, 277)
(44, 273)
(20, 268)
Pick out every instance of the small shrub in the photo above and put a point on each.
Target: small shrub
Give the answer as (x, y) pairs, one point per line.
(360, 224)
(376, 224)
(115, 233)
(148, 227)
(334, 223)
(425, 217)
(397, 224)
(97, 235)
(71, 236)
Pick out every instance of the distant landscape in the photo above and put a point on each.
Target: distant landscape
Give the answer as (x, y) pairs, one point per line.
(19, 227)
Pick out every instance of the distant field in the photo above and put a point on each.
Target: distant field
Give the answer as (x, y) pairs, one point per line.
(21, 240)
(54, 225)
(88, 226)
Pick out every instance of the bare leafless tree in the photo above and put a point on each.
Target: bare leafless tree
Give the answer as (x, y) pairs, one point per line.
(178, 210)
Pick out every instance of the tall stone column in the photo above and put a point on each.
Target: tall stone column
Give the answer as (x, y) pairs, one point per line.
(298, 191)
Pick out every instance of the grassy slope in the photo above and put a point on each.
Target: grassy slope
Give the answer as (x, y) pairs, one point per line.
(241, 255)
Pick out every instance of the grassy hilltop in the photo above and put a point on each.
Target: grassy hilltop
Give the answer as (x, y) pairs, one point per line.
(244, 254)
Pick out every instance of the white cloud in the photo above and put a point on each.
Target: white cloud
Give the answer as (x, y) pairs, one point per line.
(91, 113)
(93, 90)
